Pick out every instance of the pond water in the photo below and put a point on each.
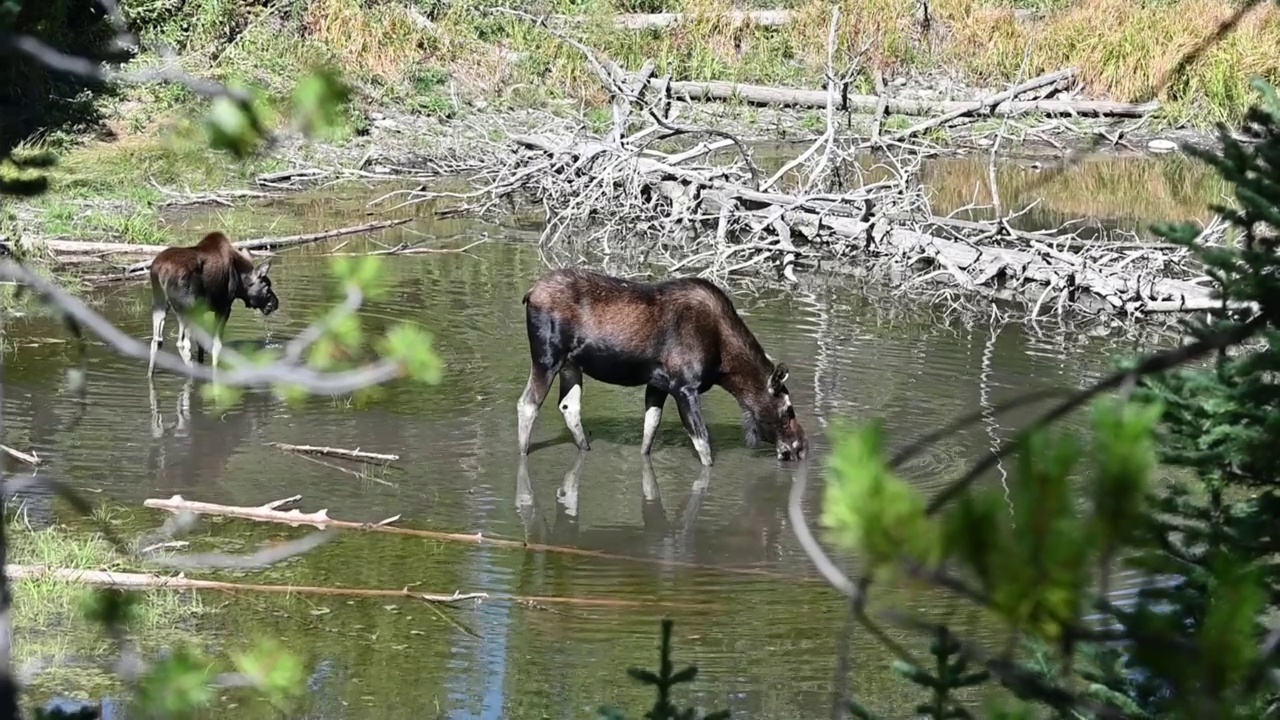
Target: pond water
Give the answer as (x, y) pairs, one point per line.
(761, 627)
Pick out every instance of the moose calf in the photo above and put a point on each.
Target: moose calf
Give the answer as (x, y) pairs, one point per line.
(212, 274)
(677, 337)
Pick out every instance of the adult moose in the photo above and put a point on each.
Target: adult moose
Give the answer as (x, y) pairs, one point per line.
(212, 274)
(676, 337)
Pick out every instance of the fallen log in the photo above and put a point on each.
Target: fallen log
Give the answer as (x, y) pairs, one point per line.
(356, 454)
(138, 269)
(149, 581)
(661, 21)
(1095, 278)
(724, 91)
(320, 519)
(29, 458)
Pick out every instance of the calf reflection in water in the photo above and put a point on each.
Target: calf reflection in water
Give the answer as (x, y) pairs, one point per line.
(677, 337)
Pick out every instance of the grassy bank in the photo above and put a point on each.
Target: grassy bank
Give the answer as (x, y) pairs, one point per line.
(41, 605)
(454, 60)
(53, 636)
(431, 56)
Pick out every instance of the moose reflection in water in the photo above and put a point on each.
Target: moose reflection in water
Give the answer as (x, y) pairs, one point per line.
(194, 450)
(677, 337)
(563, 530)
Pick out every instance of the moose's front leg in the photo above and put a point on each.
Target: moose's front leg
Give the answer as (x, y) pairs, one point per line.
(219, 326)
(157, 334)
(689, 402)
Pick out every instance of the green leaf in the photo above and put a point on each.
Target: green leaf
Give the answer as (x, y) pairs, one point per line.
(644, 676)
(111, 607)
(871, 510)
(273, 670)
(1124, 455)
(176, 686)
(318, 101)
(410, 346)
(222, 397)
(230, 127)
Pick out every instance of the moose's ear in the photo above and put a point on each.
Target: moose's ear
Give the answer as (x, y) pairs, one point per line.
(262, 269)
(780, 374)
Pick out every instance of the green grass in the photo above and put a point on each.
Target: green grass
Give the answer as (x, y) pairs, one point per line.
(44, 604)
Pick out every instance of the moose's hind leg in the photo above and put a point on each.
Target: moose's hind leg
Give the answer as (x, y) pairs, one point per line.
(184, 341)
(571, 403)
(535, 391)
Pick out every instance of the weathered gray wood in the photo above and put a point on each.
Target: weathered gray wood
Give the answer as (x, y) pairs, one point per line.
(799, 97)
(990, 269)
(639, 21)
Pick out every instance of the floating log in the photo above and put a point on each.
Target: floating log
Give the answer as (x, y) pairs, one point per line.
(1111, 276)
(320, 519)
(29, 458)
(149, 581)
(356, 454)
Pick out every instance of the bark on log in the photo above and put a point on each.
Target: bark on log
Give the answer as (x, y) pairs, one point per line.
(338, 452)
(867, 104)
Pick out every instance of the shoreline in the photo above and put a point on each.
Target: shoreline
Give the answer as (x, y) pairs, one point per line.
(399, 146)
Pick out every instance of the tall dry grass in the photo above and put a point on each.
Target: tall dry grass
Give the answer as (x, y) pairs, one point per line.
(1124, 49)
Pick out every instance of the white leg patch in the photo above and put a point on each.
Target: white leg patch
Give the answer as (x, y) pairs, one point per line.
(567, 494)
(649, 483)
(157, 336)
(652, 418)
(571, 407)
(216, 349)
(526, 412)
(184, 407)
(704, 450)
(524, 487)
(184, 342)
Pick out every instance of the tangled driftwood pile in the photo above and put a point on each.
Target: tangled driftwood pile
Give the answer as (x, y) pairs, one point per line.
(599, 193)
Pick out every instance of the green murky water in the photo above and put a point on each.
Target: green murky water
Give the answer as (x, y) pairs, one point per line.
(764, 640)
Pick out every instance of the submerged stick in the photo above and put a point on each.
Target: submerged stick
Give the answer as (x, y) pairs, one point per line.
(148, 581)
(320, 519)
(30, 459)
(356, 454)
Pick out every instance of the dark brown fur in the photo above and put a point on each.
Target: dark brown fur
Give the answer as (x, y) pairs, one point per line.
(678, 337)
(211, 275)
